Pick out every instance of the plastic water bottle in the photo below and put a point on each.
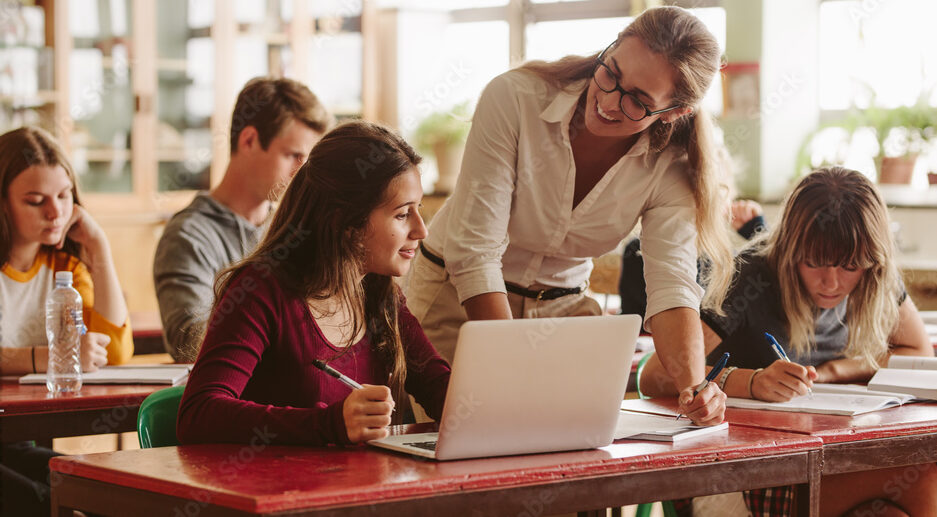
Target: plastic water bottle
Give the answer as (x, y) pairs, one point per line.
(64, 328)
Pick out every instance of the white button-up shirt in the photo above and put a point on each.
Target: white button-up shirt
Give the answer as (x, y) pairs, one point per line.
(511, 215)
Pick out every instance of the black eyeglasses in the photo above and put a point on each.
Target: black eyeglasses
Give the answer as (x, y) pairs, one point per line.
(606, 80)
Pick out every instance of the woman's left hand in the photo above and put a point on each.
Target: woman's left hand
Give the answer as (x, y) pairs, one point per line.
(707, 408)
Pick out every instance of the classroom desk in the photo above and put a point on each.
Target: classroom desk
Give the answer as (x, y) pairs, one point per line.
(29, 412)
(147, 332)
(264, 480)
(894, 437)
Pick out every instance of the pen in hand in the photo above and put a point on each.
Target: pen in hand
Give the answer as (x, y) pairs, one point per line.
(781, 354)
(709, 377)
(344, 379)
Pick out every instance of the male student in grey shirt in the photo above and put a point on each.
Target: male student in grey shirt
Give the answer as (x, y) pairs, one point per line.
(274, 126)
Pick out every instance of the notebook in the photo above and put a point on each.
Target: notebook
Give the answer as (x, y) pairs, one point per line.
(915, 376)
(661, 428)
(530, 385)
(829, 399)
(169, 374)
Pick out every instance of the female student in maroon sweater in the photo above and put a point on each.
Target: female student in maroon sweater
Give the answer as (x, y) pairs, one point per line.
(320, 286)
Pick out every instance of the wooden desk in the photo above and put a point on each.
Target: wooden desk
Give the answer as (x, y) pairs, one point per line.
(146, 324)
(900, 436)
(147, 332)
(31, 413)
(251, 480)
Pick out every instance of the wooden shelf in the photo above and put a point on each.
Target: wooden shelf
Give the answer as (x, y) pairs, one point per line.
(172, 64)
(103, 154)
(41, 98)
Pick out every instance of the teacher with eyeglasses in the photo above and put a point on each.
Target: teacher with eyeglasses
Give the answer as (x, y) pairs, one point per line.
(562, 161)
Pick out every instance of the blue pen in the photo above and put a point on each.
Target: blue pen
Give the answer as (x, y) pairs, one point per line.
(710, 376)
(780, 353)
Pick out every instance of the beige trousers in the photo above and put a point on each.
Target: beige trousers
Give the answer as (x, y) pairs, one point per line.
(434, 301)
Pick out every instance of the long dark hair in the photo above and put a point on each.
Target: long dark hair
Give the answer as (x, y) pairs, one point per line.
(21, 149)
(314, 245)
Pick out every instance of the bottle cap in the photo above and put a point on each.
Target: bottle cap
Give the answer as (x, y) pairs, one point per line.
(63, 276)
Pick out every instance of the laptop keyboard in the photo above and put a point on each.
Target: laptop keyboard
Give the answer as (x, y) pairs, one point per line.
(430, 446)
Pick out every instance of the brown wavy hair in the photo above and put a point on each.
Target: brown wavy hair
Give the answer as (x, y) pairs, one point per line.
(268, 104)
(314, 245)
(836, 217)
(21, 149)
(693, 52)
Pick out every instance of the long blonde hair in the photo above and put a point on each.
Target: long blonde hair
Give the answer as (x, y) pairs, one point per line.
(693, 52)
(836, 217)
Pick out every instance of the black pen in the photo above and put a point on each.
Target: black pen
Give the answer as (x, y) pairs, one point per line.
(346, 380)
(709, 377)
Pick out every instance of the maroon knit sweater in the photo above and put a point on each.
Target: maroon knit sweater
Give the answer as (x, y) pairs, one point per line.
(254, 380)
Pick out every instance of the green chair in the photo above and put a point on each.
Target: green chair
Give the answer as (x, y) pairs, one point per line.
(156, 420)
(644, 509)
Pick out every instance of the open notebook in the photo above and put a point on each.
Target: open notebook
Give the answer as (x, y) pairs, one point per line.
(635, 425)
(830, 399)
(916, 376)
(169, 374)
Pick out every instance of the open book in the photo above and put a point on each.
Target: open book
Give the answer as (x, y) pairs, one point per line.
(830, 399)
(660, 428)
(170, 374)
(908, 374)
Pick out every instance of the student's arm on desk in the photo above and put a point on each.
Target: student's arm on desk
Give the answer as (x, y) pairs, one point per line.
(488, 306)
(909, 338)
(677, 337)
(20, 360)
(183, 274)
(779, 382)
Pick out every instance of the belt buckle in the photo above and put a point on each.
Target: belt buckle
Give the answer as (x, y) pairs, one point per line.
(540, 294)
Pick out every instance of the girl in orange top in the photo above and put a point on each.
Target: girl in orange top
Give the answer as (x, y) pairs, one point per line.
(44, 229)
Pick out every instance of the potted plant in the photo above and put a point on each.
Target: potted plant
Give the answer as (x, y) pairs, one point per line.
(902, 133)
(443, 134)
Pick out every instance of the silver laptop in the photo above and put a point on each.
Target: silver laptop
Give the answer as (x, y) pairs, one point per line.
(531, 385)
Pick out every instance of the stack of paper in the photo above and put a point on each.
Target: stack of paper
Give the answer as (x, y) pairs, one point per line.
(660, 428)
(171, 374)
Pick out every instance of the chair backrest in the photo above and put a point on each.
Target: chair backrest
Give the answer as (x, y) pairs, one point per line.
(637, 374)
(156, 420)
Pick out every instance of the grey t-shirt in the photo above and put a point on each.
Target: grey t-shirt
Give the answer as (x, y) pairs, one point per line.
(197, 243)
(753, 307)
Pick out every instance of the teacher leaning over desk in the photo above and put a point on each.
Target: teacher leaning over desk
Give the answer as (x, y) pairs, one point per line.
(562, 161)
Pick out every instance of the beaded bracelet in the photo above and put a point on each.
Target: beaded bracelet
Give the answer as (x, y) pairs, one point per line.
(750, 381)
(725, 376)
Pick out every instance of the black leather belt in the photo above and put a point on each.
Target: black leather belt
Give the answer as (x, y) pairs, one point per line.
(537, 294)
